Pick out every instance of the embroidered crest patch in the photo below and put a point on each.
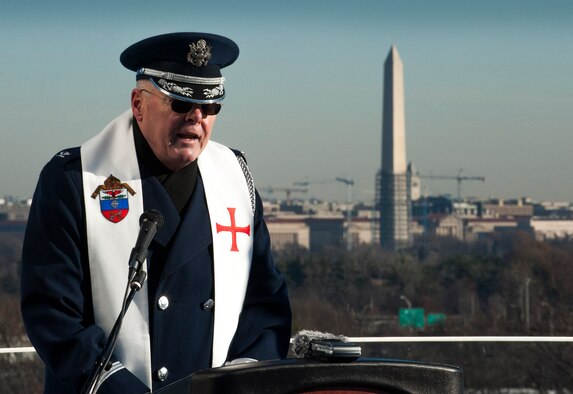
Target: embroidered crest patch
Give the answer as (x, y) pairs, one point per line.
(113, 200)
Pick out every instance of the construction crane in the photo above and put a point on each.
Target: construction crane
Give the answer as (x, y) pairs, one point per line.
(459, 178)
(349, 183)
(307, 182)
(287, 190)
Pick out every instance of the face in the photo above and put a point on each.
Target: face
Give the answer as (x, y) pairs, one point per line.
(177, 139)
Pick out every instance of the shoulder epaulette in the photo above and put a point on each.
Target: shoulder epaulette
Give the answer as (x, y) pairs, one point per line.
(67, 154)
(64, 158)
(240, 153)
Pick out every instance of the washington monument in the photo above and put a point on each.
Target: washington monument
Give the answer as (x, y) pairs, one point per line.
(394, 200)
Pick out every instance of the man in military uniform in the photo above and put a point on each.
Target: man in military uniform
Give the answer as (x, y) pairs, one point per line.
(213, 294)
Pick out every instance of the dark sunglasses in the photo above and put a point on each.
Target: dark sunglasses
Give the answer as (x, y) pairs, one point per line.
(182, 107)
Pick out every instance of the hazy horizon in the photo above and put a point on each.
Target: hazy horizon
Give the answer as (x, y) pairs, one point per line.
(488, 88)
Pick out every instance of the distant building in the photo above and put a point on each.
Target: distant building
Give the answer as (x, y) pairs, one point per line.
(415, 184)
(14, 215)
(445, 226)
(476, 229)
(550, 209)
(314, 225)
(551, 229)
(313, 232)
(470, 221)
(287, 231)
(14, 210)
(500, 208)
(443, 205)
(325, 231)
(361, 231)
(393, 186)
(321, 225)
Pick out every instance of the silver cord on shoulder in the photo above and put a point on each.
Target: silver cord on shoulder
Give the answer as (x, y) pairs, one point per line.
(249, 179)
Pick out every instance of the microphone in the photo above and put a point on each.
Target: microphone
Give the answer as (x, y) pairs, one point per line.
(149, 223)
(324, 346)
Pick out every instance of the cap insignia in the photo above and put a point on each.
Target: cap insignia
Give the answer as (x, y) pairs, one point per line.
(199, 53)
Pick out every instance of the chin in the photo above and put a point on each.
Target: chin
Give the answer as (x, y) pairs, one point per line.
(188, 155)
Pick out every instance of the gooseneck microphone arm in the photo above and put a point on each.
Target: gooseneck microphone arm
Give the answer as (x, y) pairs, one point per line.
(149, 223)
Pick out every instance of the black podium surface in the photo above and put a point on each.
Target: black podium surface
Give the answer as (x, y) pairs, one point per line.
(290, 376)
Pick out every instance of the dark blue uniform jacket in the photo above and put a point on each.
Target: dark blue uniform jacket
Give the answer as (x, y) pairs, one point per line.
(56, 291)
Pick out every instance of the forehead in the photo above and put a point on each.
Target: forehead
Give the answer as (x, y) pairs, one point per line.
(149, 91)
(157, 102)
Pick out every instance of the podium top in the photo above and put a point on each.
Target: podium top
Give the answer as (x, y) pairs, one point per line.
(293, 376)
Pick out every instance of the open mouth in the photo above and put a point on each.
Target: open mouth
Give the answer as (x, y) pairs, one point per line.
(187, 136)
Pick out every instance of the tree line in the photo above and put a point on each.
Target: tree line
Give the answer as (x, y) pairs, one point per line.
(20, 373)
(508, 285)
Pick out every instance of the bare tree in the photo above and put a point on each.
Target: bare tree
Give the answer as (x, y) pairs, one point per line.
(21, 373)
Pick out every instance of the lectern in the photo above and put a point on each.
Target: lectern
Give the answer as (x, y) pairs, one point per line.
(297, 376)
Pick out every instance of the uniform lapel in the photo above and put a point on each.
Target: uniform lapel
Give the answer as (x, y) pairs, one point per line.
(194, 233)
(155, 197)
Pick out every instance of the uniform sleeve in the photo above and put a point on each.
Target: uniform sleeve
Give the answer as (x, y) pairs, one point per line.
(55, 285)
(264, 327)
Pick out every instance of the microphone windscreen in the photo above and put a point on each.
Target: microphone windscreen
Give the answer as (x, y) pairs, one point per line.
(301, 343)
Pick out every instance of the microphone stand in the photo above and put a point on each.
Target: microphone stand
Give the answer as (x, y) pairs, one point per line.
(134, 284)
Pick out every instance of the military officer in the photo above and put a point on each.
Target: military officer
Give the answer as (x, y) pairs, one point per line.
(213, 294)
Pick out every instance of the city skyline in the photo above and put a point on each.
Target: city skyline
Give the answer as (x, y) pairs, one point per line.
(488, 88)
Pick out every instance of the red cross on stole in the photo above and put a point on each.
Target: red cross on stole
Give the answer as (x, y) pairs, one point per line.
(233, 229)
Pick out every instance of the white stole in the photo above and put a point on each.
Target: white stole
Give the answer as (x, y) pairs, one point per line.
(112, 152)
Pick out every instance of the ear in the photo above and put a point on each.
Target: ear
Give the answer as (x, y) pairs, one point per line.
(137, 104)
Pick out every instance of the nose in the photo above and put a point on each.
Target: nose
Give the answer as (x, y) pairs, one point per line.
(195, 115)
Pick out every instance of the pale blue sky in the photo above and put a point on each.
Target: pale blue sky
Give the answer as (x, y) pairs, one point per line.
(488, 85)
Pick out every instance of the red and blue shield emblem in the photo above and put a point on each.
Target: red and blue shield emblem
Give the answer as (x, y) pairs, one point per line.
(114, 204)
(113, 199)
